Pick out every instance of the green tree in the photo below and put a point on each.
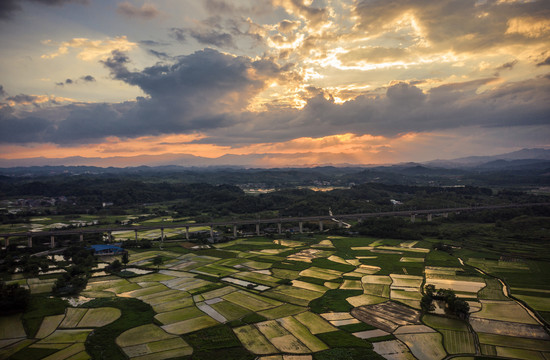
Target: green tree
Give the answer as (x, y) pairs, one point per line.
(461, 308)
(125, 259)
(13, 298)
(427, 304)
(115, 266)
(430, 290)
(158, 261)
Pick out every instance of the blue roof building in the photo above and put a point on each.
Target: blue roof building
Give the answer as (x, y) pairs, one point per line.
(107, 250)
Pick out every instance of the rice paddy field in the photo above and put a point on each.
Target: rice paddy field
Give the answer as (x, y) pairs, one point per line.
(312, 297)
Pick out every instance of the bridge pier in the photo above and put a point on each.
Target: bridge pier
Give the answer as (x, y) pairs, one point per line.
(429, 217)
(135, 235)
(81, 237)
(258, 229)
(445, 215)
(413, 218)
(280, 228)
(235, 230)
(187, 233)
(301, 226)
(29, 241)
(52, 241)
(320, 225)
(340, 224)
(6, 241)
(162, 234)
(212, 232)
(109, 236)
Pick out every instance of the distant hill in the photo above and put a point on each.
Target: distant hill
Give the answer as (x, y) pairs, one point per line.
(477, 161)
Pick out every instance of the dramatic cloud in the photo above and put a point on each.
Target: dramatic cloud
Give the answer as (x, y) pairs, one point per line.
(2, 91)
(145, 12)
(403, 109)
(194, 94)
(313, 15)
(190, 96)
(460, 25)
(293, 80)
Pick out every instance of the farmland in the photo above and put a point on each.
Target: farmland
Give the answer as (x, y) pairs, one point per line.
(314, 296)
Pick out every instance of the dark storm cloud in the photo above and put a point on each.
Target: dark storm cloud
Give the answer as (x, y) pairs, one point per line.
(68, 81)
(404, 108)
(8, 7)
(206, 79)
(196, 93)
(208, 92)
(117, 63)
(2, 91)
(14, 130)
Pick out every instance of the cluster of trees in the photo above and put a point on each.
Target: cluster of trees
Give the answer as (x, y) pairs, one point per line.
(13, 298)
(116, 265)
(453, 305)
(81, 261)
(88, 193)
(30, 265)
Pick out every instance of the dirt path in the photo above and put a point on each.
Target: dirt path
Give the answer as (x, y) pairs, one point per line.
(506, 292)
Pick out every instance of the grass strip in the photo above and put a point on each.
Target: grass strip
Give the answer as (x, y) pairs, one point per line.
(38, 308)
(101, 343)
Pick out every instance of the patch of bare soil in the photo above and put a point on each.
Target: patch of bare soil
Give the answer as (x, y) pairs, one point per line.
(387, 316)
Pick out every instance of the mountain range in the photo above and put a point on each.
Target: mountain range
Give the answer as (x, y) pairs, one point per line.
(524, 157)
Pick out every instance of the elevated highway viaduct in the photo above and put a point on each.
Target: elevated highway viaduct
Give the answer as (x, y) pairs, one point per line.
(429, 213)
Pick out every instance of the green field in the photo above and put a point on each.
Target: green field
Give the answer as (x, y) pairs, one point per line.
(504, 311)
(304, 311)
(458, 342)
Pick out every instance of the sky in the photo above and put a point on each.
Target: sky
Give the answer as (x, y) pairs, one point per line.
(273, 83)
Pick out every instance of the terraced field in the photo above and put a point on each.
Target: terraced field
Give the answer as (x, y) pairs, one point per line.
(288, 299)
